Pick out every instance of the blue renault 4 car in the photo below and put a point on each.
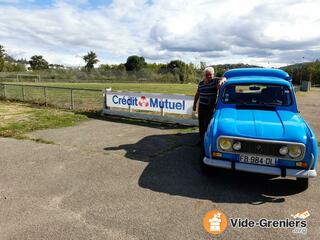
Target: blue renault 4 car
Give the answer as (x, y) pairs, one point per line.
(257, 127)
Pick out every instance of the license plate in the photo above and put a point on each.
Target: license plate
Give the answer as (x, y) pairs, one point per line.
(257, 160)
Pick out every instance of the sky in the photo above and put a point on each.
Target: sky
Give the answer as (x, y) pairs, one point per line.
(269, 33)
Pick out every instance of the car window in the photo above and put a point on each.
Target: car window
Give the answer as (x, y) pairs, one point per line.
(257, 94)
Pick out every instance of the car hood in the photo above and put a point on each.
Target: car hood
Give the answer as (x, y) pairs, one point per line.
(263, 124)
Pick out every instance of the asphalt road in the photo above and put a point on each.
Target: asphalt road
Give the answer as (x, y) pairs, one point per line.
(117, 180)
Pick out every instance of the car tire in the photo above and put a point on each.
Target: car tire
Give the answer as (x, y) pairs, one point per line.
(303, 183)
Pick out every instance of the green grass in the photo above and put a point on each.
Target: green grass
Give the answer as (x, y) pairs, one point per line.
(301, 94)
(189, 130)
(85, 100)
(17, 119)
(169, 88)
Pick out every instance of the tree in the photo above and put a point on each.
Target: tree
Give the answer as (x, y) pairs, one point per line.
(2, 56)
(178, 67)
(203, 65)
(1, 64)
(314, 71)
(104, 67)
(2, 52)
(135, 63)
(37, 62)
(13, 67)
(120, 67)
(90, 59)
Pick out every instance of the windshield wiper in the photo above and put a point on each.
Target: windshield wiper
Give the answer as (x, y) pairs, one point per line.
(255, 106)
(244, 103)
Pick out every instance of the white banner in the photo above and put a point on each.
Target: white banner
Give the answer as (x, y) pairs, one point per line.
(175, 103)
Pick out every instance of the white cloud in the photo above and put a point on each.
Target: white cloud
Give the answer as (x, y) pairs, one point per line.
(278, 32)
(15, 1)
(9, 1)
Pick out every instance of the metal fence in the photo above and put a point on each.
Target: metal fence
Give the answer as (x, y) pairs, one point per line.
(83, 100)
(102, 76)
(68, 98)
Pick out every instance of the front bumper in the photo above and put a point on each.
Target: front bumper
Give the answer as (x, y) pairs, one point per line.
(301, 173)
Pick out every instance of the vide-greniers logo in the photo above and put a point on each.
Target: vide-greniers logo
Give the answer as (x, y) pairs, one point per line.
(215, 222)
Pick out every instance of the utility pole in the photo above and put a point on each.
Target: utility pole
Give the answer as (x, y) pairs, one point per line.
(301, 71)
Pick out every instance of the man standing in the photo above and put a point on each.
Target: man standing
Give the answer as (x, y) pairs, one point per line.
(207, 96)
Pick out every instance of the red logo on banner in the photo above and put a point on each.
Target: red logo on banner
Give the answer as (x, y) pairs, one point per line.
(143, 102)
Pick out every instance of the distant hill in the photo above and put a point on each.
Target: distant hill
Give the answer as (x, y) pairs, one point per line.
(306, 71)
(221, 68)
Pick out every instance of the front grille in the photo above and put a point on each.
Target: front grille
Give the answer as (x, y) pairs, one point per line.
(261, 148)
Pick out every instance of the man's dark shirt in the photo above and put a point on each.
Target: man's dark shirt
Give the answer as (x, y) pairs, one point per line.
(208, 92)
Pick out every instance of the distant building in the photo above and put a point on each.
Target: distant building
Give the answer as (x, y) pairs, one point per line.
(56, 66)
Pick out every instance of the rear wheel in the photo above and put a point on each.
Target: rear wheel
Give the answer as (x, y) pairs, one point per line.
(303, 183)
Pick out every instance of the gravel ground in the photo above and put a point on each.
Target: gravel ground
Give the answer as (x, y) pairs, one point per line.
(116, 180)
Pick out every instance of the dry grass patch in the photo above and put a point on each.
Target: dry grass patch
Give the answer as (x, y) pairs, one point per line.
(17, 119)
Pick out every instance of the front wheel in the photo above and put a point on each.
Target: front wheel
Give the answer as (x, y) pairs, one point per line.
(303, 183)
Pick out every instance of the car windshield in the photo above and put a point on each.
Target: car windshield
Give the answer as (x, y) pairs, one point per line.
(257, 94)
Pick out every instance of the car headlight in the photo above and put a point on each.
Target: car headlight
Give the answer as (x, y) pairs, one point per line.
(284, 150)
(225, 144)
(237, 146)
(295, 151)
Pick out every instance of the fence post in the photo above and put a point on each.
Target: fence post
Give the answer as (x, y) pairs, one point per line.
(162, 112)
(105, 103)
(23, 93)
(45, 95)
(71, 100)
(4, 90)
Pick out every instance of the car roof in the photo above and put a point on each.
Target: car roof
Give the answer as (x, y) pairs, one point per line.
(257, 80)
(263, 72)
